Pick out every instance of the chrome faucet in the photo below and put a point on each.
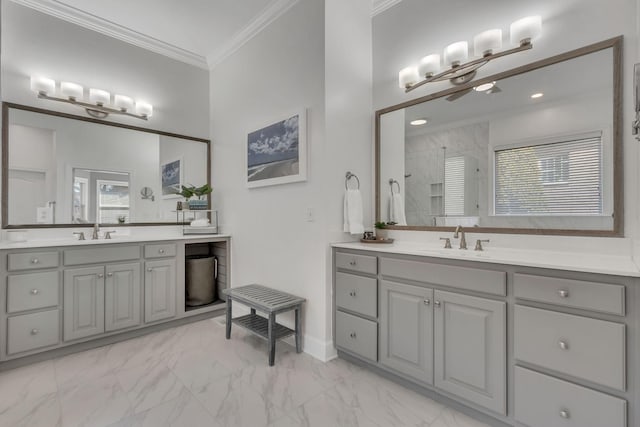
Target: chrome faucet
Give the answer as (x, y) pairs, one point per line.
(463, 240)
(96, 230)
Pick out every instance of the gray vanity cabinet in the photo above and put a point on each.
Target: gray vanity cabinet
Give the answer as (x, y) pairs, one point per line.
(83, 302)
(159, 290)
(406, 329)
(122, 296)
(470, 348)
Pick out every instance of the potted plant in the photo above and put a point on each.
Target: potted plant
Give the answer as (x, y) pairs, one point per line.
(381, 230)
(200, 192)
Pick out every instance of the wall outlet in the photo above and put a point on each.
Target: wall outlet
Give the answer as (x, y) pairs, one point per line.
(308, 215)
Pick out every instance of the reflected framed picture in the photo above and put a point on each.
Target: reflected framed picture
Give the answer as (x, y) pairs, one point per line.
(276, 153)
(171, 178)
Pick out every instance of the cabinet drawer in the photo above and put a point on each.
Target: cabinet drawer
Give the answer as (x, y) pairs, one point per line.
(543, 401)
(594, 296)
(160, 250)
(359, 263)
(101, 255)
(357, 335)
(357, 293)
(32, 260)
(31, 291)
(473, 279)
(31, 331)
(586, 348)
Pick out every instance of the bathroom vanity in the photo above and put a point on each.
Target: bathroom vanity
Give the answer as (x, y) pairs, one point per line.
(529, 340)
(63, 293)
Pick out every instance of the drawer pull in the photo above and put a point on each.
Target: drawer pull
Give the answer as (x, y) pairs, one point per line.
(35, 291)
(34, 331)
(427, 301)
(352, 262)
(436, 303)
(352, 293)
(100, 276)
(564, 413)
(563, 293)
(161, 251)
(109, 274)
(563, 345)
(35, 261)
(353, 335)
(149, 269)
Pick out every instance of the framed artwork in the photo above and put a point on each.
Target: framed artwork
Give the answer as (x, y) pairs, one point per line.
(277, 153)
(171, 178)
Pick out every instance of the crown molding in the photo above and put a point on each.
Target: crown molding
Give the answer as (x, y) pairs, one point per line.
(120, 32)
(380, 6)
(273, 11)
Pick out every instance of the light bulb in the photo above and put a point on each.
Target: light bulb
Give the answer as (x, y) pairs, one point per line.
(43, 85)
(123, 103)
(144, 109)
(526, 29)
(408, 77)
(99, 97)
(486, 42)
(73, 91)
(456, 53)
(429, 65)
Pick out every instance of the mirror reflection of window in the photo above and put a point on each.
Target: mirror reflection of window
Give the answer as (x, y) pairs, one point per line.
(80, 198)
(113, 201)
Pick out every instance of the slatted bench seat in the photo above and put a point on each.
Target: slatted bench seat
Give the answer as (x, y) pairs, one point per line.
(270, 301)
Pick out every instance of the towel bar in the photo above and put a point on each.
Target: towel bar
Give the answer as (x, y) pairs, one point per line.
(350, 175)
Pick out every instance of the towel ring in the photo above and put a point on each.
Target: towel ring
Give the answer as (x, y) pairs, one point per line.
(393, 181)
(348, 176)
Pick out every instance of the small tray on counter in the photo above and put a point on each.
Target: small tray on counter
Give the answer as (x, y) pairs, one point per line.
(376, 241)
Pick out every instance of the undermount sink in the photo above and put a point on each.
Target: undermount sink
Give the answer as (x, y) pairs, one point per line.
(468, 253)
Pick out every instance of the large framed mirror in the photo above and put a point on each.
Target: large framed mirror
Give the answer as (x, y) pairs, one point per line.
(537, 150)
(61, 170)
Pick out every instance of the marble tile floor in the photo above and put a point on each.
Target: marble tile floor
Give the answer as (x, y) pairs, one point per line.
(191, 376)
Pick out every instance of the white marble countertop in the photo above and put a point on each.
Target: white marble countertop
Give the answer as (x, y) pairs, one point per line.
(54, 241)
(619, 265)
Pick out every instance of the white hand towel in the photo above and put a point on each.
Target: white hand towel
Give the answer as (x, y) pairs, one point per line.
(353, 222)
(396, 211)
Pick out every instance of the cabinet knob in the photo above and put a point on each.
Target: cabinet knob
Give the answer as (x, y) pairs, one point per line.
(352, 262)
(35, 261)
(563, 293)
(427, 301)
(352, 335)
(161, 251)
(34, 331)
(563, 345)
(564, 413)
(149, 269)
(436, 303)
(352, 293)
(109, 274)
(100, 275)
(35, 291)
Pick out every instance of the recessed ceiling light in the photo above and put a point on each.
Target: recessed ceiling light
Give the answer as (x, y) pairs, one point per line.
(484, 87)
(537, 95)
(418, 122)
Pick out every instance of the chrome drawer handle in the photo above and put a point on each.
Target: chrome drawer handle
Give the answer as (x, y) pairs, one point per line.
(564, 413)
(34, 331)
(352, 293)
(427, 301)
(34, 292)
(563, 345)
(436, 303)
(161, 251)
(563, 293)
(109, 274)
(353, 335)
(353, 262)
(35, 261)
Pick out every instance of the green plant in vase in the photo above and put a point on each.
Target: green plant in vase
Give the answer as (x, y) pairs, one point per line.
(381, 229)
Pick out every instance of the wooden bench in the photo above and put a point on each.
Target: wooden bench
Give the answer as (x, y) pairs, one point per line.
(271, 302)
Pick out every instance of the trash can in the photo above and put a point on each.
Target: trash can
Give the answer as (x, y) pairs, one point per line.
(200, 280)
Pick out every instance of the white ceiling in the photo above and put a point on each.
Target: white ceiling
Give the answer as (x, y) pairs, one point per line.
(198, 32)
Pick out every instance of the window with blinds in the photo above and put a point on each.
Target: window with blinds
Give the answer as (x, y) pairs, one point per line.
(559, 178)
(454, 186)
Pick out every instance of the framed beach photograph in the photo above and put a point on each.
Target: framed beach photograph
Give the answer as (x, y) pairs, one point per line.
(277, 152)
(171, 178)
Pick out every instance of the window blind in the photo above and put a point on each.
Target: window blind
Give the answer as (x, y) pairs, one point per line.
(454, 186)
(559, 178)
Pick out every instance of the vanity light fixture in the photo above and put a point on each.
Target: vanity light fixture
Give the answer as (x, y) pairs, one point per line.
(99, 105)
(418, 122)
(485, 46)
(537, 95)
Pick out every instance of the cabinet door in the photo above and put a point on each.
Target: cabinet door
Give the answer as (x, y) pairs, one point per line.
(159, 290)
(122, 296)
(470, 348)
(406, 329)
(83, 302)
